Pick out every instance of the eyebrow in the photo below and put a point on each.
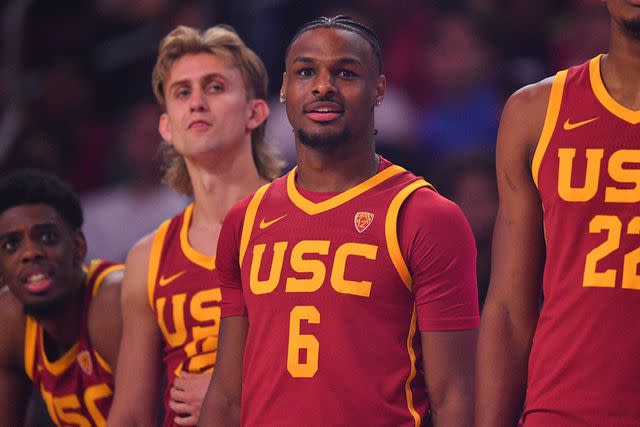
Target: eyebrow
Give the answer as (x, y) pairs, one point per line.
(341, 61)
(206, 78)
(37, 227)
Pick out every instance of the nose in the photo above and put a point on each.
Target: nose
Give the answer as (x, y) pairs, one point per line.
(323, 85)
(32, 251)
(197, 101)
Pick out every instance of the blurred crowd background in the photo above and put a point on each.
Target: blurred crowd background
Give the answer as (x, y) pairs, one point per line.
(76, 100)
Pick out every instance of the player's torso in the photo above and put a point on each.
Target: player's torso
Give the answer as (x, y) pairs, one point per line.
(185, 299)
(583, 361)
(77, 387)
(330, 319)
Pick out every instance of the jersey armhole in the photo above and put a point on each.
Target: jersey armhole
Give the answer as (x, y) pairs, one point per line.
(154, 260)
(104, 273)
(249, 219)
(391, 231)
(550, 121)
(30, 340)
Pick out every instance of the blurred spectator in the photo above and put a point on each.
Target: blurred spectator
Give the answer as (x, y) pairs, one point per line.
(470, 181)
(118, 216)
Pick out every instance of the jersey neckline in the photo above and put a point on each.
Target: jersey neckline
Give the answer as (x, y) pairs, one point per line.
(603, 96)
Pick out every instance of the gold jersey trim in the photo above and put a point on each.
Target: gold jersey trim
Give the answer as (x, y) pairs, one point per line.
(58, 367)
(391, 230)
(204, 261)
(100, 279)
(412, 374)
(312, 208)
(102, 362)
(154, 260)
(30, 337)
(249, 219)
(599, 89)
(550, 121)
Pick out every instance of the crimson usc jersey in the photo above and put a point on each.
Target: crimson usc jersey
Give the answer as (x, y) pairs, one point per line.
(583, 364)
(184, 296)
(333, 307)
(77, 387)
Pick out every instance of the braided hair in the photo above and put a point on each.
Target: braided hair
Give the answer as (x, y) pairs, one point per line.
(344, 23)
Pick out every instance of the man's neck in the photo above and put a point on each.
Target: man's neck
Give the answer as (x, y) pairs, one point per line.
(64, 328)
(621, 68)
(336, 170)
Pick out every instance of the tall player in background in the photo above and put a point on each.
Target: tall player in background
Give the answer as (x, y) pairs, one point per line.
(213, 89)
(60, 320)
(329, 273)
(567, 159)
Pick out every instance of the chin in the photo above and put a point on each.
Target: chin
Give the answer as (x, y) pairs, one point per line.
(324, 139)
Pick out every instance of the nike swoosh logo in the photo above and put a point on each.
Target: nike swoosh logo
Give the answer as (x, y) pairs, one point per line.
(264, 224)
(164, 281)
(569, 126)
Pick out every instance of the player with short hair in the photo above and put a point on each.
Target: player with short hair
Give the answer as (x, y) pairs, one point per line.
(349, 289)
(567, 159)
(60, 318)
(213, 89)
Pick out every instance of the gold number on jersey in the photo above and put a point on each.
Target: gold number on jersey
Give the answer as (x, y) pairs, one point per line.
(298, 341)
(607, 279)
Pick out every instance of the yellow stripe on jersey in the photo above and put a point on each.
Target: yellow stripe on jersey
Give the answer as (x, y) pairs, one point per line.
(249, 219)
(102, 362)
(605, 98)
(391, 230)
(154, 260)
(30, 337)
(58, 367)
(412, 374)
(204, 261)
(550, 120)
(312, 208)
(98, 282)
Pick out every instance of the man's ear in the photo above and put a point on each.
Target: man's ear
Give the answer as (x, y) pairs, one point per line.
(79, 247)
(381, 87)
(164, 127)
(257, 113)
(283, 90)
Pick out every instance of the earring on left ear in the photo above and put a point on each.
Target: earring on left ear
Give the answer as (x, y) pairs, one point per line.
(378, 102)
(282, 98)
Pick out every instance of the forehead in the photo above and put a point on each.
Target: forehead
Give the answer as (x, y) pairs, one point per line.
(194, 67)
(331, 44)
(25, 216)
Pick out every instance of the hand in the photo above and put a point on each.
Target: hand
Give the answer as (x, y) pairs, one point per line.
(186, 396)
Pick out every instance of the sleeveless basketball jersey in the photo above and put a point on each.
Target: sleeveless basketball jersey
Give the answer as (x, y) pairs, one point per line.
(583, 367)
(186, 301)
(332, 334)
(78, 387)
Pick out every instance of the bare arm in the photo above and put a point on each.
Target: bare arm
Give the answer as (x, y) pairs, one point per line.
(14, 383)
(512, 306)
(449, 372)
(221, 406)
(105, 318)
(137, 387)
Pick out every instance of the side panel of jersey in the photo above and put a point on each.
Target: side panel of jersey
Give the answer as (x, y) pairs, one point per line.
(186, 301)
(583, 363)
(332, 334)
(77, 387)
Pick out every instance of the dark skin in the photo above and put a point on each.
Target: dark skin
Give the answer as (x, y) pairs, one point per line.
(35, 240)
(511, 309)
(331, 85)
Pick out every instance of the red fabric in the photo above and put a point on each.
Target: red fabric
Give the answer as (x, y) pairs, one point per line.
(583, 367)
(363, 362)
(71, 387)
(190, 344)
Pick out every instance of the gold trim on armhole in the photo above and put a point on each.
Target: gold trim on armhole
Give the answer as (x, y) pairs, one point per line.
(249, 219)
(550, 120)
(30, 340)
(391, 230)
(154, 260)
(100, 279)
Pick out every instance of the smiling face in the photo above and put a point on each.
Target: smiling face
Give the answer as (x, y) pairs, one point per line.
(331, 87)
(40, 257)
(207, 108)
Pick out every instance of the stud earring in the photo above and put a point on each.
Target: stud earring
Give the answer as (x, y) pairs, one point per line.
(282, 98)
(378, 102)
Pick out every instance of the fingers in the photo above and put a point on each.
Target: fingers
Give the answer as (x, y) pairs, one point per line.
(181, 407)
(178, 394)
(190, 420)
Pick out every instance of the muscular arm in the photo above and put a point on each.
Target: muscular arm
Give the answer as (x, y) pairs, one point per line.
(221, 406)
(105, 318)
(137, 387)
(14, 383)
(512, 305)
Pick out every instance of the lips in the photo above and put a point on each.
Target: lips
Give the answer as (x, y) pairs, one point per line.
(38, 281)
(198, 125)
(324, 111)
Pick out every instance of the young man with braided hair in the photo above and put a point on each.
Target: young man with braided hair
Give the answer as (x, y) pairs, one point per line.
(213, 89)
(60, 318)
(349, 287)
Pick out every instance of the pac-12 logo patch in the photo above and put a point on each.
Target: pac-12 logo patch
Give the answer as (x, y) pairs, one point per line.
(84, 360)
(362, 220)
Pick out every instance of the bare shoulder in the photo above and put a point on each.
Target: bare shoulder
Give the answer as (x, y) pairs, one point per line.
(13, 320)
